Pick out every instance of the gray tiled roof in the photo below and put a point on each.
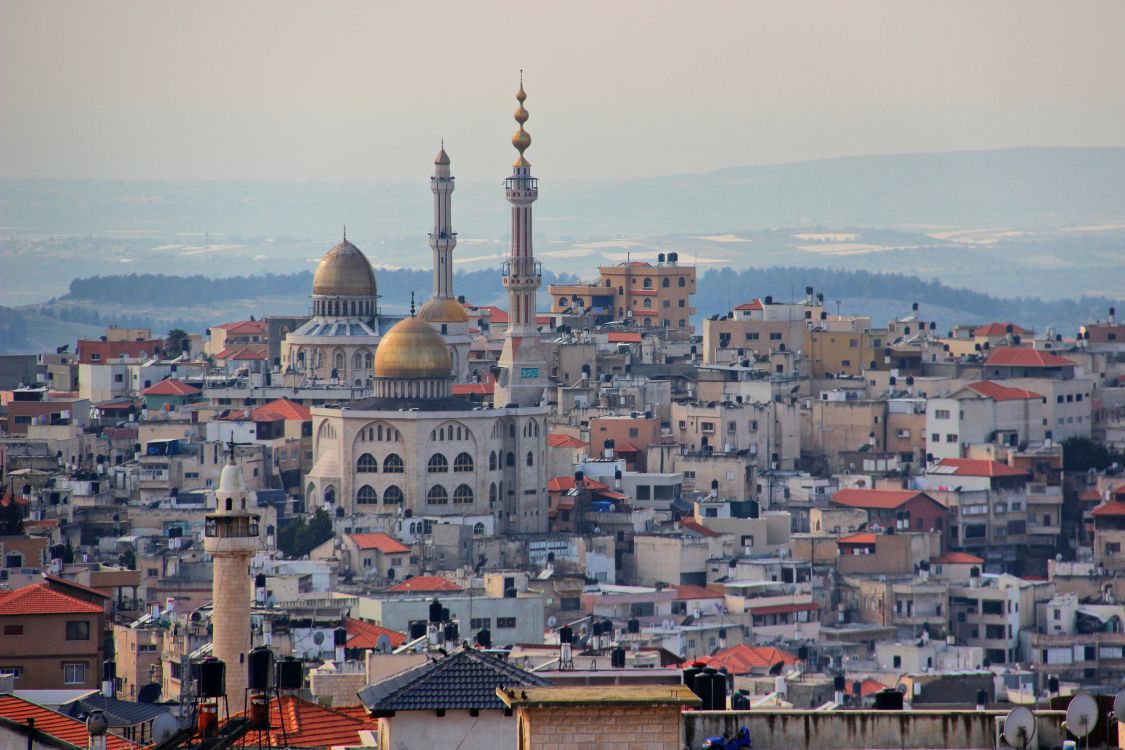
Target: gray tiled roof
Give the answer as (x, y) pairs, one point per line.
(117, 712)
(465, 679)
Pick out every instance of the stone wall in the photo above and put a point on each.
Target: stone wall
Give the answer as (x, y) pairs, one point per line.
(840, 730)
(580, 727)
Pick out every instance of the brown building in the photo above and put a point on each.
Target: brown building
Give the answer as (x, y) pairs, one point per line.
(631, 437)
(50, 640)
(652, 296)
(760, 326)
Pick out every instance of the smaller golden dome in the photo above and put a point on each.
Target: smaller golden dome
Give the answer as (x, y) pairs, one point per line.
(412, 349)
(443, 310)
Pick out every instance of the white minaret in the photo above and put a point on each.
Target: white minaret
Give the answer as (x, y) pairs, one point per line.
(231, 538)
(443, 239)
(523, 365)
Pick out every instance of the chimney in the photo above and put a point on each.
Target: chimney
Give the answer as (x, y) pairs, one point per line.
(96, 727)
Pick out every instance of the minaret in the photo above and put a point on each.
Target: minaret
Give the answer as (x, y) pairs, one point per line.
(231, 538)
(523, 365)
(443, 239)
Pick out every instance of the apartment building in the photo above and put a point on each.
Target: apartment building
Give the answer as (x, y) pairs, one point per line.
(985, 412)
(759, 327)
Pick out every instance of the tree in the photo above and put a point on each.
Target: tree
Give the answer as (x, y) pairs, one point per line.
(177, 342)
(128, 559)
(300, 536)
(1083, 454)
(11, 518)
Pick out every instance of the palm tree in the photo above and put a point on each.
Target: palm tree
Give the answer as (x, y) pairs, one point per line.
(177, 342)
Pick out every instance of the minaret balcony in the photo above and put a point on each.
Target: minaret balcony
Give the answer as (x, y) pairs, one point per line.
(522, 269)
(231, 527)
(521, 184)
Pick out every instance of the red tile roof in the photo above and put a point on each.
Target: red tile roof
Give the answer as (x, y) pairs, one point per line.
(999, 329)
(755, 304)
(690, 524)
(560, 440)
(40, 599)
(958, 558)
(880, 499)
(744, 659)
(308, 724)
(1112, 508)
(243, 353)
(494, 314)
(863, 537)
(978, 467)
(284, 408)
(782, 609)
(623, 337)
(53, 723)
(243, 327)
(474, 389)
(1089, 496)
(870, 686)
(385, 543)
(689, 591)
(362, 634)
(1010, 356)
(998, 392)
(424, 583)
(566, 484)
(170, 387)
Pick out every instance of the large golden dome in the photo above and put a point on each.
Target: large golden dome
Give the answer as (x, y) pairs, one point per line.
(412, 349)
(344, 272)
(443, 310)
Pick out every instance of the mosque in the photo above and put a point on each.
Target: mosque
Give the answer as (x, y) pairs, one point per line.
(412, 453)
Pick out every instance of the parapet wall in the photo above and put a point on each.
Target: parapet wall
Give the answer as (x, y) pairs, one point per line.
(850, 730)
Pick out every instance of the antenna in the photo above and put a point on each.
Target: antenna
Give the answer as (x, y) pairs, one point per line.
(1081, 715)
(1019, 727)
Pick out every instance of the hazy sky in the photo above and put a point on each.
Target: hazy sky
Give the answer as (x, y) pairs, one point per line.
(363, 90)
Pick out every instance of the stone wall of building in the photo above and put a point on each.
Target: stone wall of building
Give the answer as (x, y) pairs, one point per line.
(579, 727)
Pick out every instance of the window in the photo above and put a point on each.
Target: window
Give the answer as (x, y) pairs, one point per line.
(951, 438)
(78, 630)
(480, 622)
(681, 281)
(510, 460)
(392, 495)
(752, 336)
(74, 674)
(845, 363)
(478, 529)
(530, 458)
(463, 495)
(775, 336)
(13, 630)
(463, 463)
(897, 661)
(437, 495)
(935, 437)
(392, 464)
(366, 464)
(15, 672)
(941, 413)
(505, 622)
(366, 495)
(437, 464)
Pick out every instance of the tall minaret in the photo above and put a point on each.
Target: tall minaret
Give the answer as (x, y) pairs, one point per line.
(523, 365)
(231, 538)
(443, 239)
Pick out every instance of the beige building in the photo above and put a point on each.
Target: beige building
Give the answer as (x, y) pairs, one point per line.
(136, 649)
(758, 328)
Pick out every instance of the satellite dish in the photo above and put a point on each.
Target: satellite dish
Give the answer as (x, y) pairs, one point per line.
(150, 693)
(1119, 705)
(383, 644)
(552, 621)
(1081, 715)
(1019, 727)
(318, 638)
(164, 726)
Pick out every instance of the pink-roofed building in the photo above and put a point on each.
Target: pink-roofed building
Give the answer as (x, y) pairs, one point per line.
(983, 413)
(374, 555)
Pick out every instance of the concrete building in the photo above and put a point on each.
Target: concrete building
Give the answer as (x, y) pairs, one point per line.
(51, 640)
(644, 295)
(759, 327)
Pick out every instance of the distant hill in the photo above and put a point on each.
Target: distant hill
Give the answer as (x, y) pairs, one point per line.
(1023, 188)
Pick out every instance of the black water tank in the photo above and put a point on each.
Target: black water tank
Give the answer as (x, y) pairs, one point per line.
(982, 697)
(340, 637)
(566, 634)
(290, 674)
(719, 692)
(212, 678)
(839, 683)
(705, 688)
(445, 614)
(109, 670)
(740, 701)
(617, 658)
(888, 700)
(260, 668)
(484, 638)
(435, 611)
(634, 625)
(417, 630)
(260, 581)
(450, 632)
(803, 652)
(1053, 684)
(689, 677)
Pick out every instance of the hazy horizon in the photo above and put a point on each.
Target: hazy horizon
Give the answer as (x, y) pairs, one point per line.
(357, 91)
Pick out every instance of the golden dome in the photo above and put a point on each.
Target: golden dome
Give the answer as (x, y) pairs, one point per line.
(443, 310)
(412, 349)
(344, 272)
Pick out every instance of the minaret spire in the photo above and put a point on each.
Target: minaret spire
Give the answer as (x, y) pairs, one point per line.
(442, 239)
(523, 365)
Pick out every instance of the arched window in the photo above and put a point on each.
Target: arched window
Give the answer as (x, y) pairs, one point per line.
(437, 495)
(530, 458)
(230, 503)
(441, 434)
(357, 361)
(562, 301)
(478, 529)
(339, 361)
(367, 464)
(666, 283)
(648, 322)
(648, 302)
(392, 495)
(462, 495)
(511, 461)
(366, 495)
(648, 283)
(682, 282)
(437, 464)
(367, 361)
(492, 494)
(512, 430)
(492, 461)
(463, 462)
(392, 464)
